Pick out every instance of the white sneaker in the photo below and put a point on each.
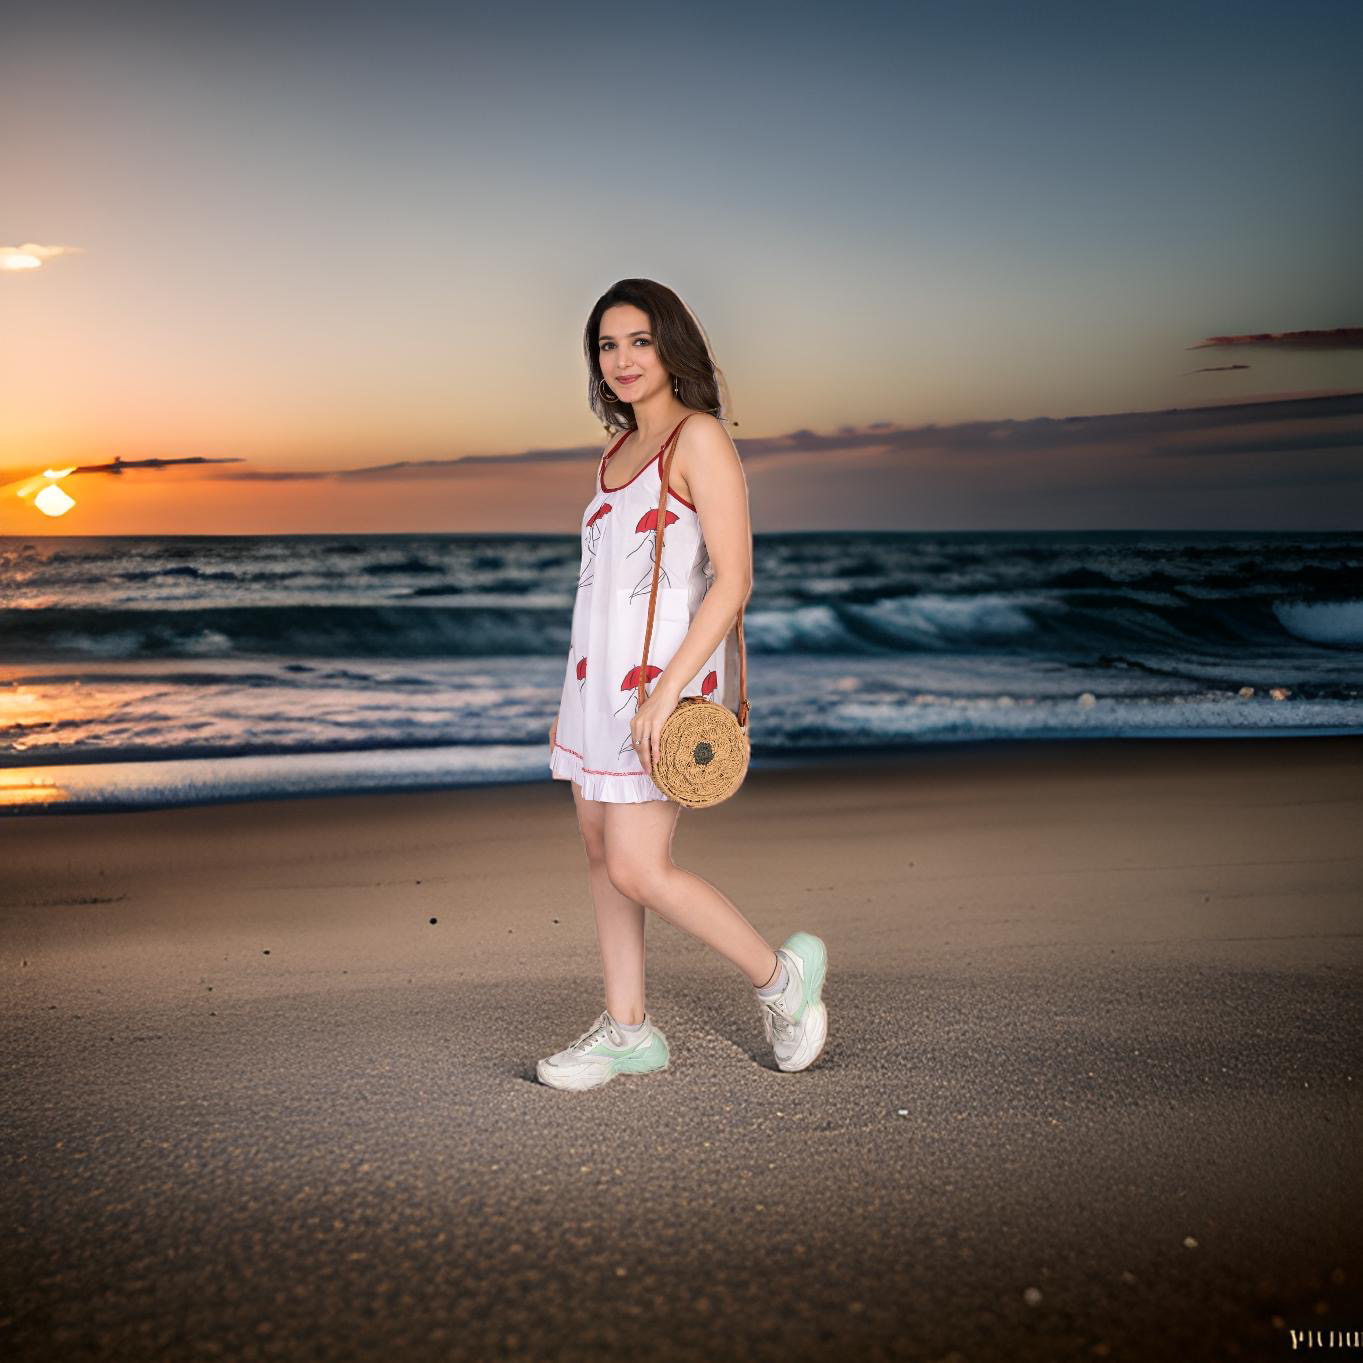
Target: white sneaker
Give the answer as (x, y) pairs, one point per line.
(602, 1052)
(796, 1021)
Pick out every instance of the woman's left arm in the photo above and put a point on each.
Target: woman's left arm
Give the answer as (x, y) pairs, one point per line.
(719, 493)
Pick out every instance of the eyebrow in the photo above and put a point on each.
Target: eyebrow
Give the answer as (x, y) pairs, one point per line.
(605, 337)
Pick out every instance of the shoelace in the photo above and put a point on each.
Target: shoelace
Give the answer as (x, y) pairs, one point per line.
(599, 1030)
(775, 1020)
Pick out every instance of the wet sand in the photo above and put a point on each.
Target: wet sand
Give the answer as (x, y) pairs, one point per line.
(1091, 1088)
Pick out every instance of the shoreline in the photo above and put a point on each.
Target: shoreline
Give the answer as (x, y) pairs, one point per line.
(835, 758)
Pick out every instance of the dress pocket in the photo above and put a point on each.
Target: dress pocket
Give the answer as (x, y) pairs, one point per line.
(674, 603)
(671, 620)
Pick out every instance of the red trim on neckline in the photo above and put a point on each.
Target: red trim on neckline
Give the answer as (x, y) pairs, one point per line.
(601, 472)
(626, 483)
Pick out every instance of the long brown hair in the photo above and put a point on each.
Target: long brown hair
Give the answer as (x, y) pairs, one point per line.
(682, 346)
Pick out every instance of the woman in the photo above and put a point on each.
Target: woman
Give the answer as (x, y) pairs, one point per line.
(651, 373)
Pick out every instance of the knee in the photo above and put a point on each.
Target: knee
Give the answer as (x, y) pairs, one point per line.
(593, 837)
(634, 879)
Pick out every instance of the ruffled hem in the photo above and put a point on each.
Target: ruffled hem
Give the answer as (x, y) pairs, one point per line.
(565, 765)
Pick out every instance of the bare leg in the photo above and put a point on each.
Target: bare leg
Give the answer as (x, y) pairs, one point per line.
(638, 841)
(619, 920)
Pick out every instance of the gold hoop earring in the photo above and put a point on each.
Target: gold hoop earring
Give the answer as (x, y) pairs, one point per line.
(606, 394)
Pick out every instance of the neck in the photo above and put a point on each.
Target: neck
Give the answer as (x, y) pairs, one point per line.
(655, 418)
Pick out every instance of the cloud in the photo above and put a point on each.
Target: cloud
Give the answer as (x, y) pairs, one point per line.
(121, 465)
(1341, 338)
(400, 469)
(1213, 428)
(1312, 422)
(1284, 425)
(32, 254)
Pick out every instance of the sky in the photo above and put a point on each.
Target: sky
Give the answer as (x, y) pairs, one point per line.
(350, 250)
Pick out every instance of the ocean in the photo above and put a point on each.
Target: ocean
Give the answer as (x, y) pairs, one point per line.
(141, 672)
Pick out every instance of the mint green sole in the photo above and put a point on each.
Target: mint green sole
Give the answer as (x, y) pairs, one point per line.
(648, 1058)
(814, 955)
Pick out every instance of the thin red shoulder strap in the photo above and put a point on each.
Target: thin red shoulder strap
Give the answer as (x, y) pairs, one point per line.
(601, 467)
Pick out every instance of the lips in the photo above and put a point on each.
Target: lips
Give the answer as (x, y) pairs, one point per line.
(631, 379)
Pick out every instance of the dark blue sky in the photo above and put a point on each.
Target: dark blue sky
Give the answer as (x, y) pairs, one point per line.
(321, 237)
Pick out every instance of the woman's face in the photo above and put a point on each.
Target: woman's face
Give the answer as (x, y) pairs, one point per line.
(625, 349)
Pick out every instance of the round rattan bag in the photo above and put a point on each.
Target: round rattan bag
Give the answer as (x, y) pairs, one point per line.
(702, 753)
(703, 748)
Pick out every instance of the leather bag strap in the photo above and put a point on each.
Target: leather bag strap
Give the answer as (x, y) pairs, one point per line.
(666, 469)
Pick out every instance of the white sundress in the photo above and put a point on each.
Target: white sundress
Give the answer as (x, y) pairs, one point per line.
(593, 744)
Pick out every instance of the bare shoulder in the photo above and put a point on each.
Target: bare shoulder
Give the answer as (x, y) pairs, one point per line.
(705, 453)
(703, 450)
(708, 435)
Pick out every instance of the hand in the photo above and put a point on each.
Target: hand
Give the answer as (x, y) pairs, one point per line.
(553, 735)
(647, 725)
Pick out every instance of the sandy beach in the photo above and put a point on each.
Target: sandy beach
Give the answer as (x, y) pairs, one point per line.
(1091, 1088)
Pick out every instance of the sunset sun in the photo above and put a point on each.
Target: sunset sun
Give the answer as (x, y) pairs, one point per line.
(45, 493)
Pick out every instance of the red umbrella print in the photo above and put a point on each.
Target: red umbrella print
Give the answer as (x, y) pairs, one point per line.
(631, 685)
(631, 682)
(648, 525)
(592, 541)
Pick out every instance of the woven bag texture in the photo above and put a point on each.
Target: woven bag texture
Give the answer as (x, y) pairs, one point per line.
(702, 753)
